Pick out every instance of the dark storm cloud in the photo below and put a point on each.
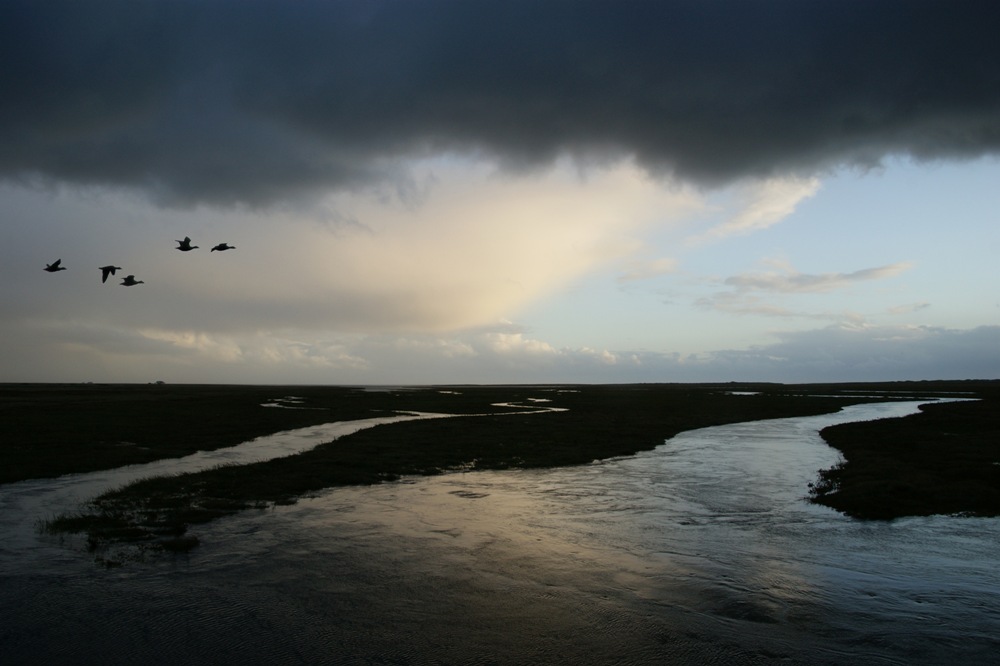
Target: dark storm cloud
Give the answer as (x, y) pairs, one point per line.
(244, 101)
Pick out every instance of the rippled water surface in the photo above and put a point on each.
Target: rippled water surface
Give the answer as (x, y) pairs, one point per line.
(702, 551)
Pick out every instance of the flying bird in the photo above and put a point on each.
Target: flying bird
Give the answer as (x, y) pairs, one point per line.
(130, 281)
(54, 266)
(222, 247)
(185, 245)
(108, 270)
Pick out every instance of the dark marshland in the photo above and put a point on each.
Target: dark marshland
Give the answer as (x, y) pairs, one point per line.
(501, 524)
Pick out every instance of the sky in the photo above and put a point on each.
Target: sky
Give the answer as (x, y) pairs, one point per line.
(487, 191)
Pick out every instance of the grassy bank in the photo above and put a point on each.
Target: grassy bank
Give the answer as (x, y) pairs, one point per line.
(944, 460)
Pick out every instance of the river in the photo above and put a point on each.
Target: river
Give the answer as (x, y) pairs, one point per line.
(703, 550)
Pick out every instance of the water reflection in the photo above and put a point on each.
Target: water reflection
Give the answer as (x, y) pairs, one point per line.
(700, 551)
(23, 505)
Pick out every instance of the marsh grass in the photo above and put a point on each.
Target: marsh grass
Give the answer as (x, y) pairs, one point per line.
(600, 422)
(47, 430)
(944, 460)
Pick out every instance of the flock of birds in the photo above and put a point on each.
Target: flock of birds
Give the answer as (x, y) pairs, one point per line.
(129, 280)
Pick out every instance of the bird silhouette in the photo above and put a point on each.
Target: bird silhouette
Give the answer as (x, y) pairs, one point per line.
(185, 245)
(54, 266)
(108, 270)
(222, 247)
(130, 281)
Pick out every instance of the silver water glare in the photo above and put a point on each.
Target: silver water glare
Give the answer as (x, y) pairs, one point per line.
(701, 551)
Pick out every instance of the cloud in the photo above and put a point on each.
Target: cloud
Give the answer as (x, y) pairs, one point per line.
(790, 281)
(908, 308)
(754, 293)
(849, 353)
(504, 352)
(743, 304)
(478, 248)
(254, 102)
(762, 205)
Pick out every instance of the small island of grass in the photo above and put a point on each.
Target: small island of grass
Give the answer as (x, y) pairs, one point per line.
(944, 460)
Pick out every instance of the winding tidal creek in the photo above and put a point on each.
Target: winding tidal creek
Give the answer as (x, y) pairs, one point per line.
(703, 550)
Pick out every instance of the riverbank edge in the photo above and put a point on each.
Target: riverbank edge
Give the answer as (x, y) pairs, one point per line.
(944, 460)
